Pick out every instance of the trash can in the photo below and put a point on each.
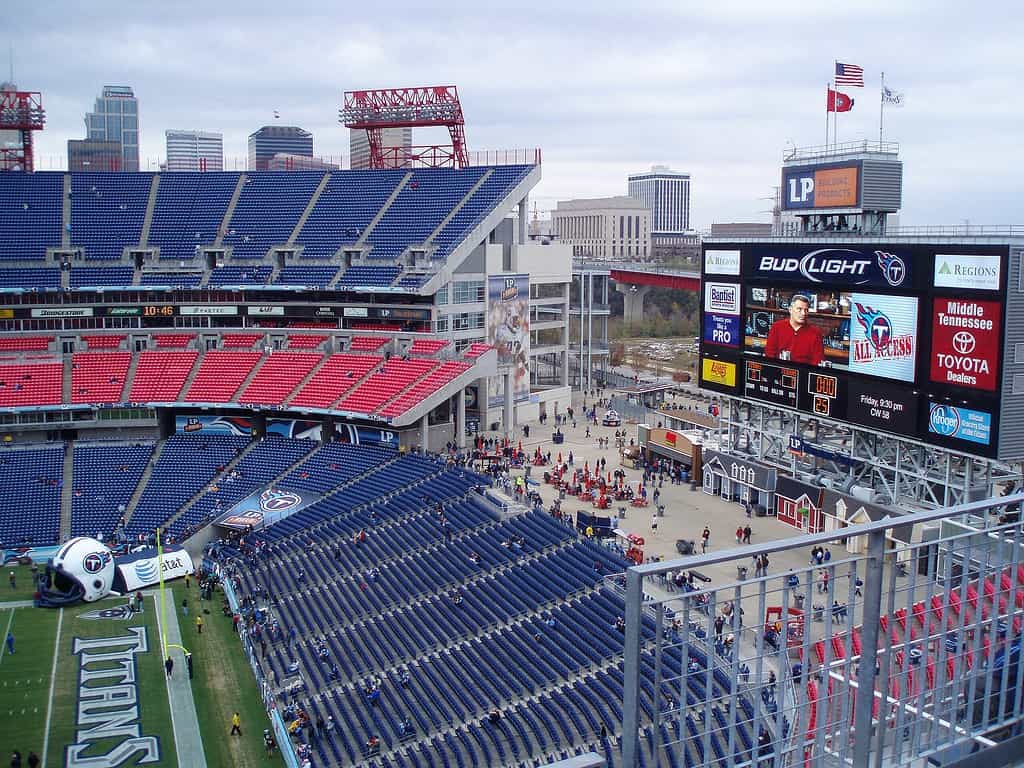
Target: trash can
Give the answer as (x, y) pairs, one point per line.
(798, 600)
(741, 572)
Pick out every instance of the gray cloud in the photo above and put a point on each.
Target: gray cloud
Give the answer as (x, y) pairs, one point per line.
(602, 88)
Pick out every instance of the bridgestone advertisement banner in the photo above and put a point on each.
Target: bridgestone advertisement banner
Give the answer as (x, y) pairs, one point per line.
(965, 343)
(141, 571)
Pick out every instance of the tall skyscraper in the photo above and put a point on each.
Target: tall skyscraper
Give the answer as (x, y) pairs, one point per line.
(116, 118)
(359, 147)
(194, 151)
(277, 139)
(667, 194)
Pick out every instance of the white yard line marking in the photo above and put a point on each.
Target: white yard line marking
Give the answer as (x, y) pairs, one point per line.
(3, 649)
(53, 681)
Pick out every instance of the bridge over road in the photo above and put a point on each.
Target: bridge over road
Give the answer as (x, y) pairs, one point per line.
(635, 279)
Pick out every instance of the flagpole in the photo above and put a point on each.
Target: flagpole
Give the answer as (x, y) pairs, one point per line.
(881, 112)
(827, 89)
(835, 117)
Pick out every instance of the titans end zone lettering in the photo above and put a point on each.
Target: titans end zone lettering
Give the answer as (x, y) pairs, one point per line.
(108, 703)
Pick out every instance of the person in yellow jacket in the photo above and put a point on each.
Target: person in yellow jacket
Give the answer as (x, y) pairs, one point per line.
(236, 725)
(199, 624)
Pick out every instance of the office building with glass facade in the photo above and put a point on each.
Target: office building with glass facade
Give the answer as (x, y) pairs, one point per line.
(116, 118)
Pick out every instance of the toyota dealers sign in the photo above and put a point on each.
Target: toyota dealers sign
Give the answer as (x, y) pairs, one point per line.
(965, 343)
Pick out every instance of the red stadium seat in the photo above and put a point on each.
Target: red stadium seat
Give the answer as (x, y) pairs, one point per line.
(220, 374)
(280, 373)
(98, 377)
(339, 374)
(160, 375)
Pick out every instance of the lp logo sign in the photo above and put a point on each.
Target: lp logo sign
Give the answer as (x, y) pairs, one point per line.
(801, 190)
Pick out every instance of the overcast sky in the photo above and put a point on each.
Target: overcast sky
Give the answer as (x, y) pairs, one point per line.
(716, 89)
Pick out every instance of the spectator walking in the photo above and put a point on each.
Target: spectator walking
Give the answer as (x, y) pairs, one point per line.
(199, 625)
(705, 537)
(33, 759)
(10, 642)
(746, 534)
(654, 521)
(184, 606)
(236, 725)
(169, 667)
(13, 580)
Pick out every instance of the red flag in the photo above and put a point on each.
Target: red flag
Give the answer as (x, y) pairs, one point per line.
(839, 102)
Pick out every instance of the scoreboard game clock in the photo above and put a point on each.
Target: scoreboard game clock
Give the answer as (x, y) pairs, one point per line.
(154, 310)
(823, 393)
(773, 383)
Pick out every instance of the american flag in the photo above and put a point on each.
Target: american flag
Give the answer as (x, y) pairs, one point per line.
(849, 74)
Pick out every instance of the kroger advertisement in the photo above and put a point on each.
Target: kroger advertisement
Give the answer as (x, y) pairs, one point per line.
(865, 333)
(956, 423)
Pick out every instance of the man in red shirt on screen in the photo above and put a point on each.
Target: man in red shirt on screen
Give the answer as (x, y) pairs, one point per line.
(793, 338)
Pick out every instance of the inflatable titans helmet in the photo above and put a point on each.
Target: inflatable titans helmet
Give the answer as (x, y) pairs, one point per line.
(83, 569)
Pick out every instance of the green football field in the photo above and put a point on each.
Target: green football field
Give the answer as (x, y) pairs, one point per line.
(111, 697)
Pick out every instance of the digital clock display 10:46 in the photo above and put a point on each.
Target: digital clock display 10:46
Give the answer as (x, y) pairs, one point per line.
(153, 310)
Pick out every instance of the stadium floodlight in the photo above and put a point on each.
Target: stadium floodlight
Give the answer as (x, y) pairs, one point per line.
(20, 111)
(424, 106)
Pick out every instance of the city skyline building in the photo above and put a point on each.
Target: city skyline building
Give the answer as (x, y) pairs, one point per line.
(194, 150)
(93, 155)
(115, 117)
(271, 140)
(604, 228)
(359, 146)
(667, 194)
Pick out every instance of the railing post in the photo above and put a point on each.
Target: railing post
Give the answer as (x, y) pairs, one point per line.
(872, 606)
(631, 668)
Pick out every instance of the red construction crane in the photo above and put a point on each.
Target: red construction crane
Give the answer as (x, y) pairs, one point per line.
(438, 105)
(20, 111)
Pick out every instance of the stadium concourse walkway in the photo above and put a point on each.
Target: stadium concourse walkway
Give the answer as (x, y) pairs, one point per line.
(184, 720)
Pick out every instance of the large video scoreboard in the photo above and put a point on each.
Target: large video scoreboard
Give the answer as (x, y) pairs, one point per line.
(903, 338)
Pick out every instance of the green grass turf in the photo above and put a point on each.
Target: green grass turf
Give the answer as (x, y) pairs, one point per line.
(23, 576)
(154, 708)
(223, 683)
(25, 678)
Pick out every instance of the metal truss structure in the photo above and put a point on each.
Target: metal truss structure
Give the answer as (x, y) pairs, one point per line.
(20, 111)
(887, 654)
(425, 106)
(901, 472)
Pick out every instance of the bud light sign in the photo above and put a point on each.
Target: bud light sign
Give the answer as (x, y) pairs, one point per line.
(882, 267)
(960, 423)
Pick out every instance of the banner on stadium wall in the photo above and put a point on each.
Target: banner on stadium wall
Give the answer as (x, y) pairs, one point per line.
(508, 331)
(213, 425)
(142, 569)
(296, 428)
(266, 507)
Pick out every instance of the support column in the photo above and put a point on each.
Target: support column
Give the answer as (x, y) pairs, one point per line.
(507, 412)
(524, 212)
(633, 309)
(565, 368)
(460, 420)
(424, 431)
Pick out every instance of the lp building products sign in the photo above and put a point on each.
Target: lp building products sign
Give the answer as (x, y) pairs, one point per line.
(965, 343)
